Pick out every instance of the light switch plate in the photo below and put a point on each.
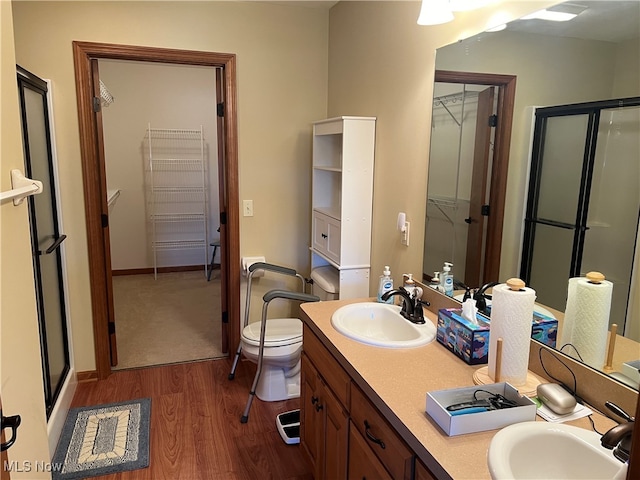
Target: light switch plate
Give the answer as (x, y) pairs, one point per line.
(247, 208)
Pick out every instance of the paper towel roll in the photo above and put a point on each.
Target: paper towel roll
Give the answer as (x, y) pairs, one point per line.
(511, 317)
(569, 314)
(592, 305)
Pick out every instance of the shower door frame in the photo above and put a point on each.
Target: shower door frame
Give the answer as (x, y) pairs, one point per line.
(593, 110)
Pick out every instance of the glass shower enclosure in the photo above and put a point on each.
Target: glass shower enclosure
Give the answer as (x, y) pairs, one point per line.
(583, 203)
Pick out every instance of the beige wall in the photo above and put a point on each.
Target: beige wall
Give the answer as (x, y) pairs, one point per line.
(20, 368)
(282, 87)
(166, 96)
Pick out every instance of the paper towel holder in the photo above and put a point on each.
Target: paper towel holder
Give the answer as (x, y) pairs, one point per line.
(515, 284)
(595, 277)
(482, 376)
(608, 367)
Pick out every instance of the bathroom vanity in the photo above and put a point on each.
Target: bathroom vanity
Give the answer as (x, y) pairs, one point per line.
(355, 398)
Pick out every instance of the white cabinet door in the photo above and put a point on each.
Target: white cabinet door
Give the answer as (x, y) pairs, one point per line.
(326, 236)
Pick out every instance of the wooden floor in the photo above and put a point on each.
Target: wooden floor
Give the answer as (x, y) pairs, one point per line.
(195, 423)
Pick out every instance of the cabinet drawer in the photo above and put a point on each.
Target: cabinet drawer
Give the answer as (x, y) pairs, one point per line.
(362, 461)
(332, 373)
(394, 454)
(326, 236)
(422, 472)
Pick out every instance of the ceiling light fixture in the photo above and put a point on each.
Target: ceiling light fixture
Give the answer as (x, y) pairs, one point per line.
(550, 16)
(466, 5)
(435, 12)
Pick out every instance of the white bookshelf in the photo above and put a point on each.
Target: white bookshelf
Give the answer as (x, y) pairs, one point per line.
(342, 200)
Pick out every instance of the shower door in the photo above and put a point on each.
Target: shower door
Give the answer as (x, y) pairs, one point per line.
(46, 239)
(584, 199)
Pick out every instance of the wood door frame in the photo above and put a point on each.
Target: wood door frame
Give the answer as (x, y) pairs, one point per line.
(83, 53)
(497, 197)
(473, 270)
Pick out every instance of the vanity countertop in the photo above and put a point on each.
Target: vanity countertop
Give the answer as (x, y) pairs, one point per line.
(397, 381)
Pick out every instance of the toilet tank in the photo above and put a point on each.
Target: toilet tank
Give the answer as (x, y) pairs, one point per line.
(326, 283)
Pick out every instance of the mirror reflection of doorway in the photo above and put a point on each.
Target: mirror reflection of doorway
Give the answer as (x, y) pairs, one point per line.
(488, 150)
(459, 182)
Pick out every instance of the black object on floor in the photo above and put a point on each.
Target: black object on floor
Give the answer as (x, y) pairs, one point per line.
(288, 424)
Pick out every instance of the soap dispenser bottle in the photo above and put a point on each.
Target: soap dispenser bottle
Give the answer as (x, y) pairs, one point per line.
(386, 284)
(409, 284)
(435, 282)
(447, 279)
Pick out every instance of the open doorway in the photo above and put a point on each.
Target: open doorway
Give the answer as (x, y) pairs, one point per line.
(161, 164)
(86, 56)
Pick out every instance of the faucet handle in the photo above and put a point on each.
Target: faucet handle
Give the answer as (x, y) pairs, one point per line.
(619, 411)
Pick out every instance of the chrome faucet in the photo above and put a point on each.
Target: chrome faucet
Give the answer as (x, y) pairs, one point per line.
(618, 438)
(411, 306)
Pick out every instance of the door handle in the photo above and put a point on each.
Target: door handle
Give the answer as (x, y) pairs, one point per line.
(12, 422)
(54, 245)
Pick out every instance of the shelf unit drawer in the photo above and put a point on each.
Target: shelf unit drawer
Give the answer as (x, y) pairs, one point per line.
(387, 445)
(326, 236)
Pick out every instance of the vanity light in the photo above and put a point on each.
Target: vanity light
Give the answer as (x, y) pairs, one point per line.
(497, 28)
(435, 12)
(466, 5)
(551, 16)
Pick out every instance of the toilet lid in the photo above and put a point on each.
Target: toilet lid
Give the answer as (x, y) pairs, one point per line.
(280, 332)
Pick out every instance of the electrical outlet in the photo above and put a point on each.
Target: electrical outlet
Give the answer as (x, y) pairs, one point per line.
(405, 234)
(247, 208)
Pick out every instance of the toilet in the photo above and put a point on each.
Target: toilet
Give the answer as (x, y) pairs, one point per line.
(280, 377)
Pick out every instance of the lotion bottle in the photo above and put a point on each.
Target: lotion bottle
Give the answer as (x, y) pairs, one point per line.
(447, 279)
(386, 284)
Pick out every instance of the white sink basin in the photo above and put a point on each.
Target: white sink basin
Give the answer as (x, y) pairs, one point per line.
(381, 324)
(550, 450)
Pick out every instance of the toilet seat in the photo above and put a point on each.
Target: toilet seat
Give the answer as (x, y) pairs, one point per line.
(280, 332)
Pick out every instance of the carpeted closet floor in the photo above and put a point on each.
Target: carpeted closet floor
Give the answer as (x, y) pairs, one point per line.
(175, 318)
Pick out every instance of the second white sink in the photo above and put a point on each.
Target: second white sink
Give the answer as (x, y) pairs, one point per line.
(550, 450)
(382, 325)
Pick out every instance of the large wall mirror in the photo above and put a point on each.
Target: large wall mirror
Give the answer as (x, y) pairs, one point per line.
(592, 59)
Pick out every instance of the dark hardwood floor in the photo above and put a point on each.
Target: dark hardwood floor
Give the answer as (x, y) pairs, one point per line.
(196, 432)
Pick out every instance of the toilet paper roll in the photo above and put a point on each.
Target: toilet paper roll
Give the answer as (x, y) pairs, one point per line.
(511, 318)
(569, 313)
(590, 317)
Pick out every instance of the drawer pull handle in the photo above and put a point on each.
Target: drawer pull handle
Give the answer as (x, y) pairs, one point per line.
(371, 437)
(314, 400)
(324, 235)
(319, 407)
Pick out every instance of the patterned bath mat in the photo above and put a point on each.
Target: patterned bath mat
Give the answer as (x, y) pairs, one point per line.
(103, 439)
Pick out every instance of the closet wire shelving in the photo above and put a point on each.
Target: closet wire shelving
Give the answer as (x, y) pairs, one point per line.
(176, 193)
